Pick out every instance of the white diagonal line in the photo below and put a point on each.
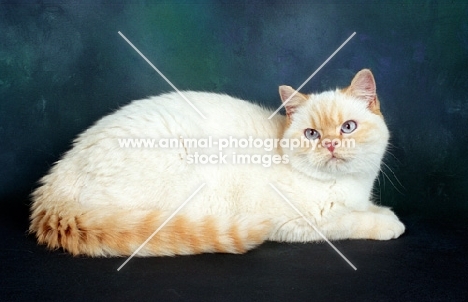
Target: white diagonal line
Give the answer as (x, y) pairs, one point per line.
(161, 226)
(312, 225)
(312, 75)
(161, 74)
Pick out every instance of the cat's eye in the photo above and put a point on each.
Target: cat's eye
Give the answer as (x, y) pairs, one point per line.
(348, 127)
(311, 134)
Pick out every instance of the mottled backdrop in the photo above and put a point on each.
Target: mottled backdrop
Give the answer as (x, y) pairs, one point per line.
(63, 66)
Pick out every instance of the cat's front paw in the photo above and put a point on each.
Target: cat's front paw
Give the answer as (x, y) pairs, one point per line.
(382, 210)
(386, 228)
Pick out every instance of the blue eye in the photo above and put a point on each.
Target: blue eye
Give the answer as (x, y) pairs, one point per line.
(311, 134)
(348, 127)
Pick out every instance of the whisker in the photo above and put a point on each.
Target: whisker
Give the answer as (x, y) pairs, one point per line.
(383, 172)
(394, 175)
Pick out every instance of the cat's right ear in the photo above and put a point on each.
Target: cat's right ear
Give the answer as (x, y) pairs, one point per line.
(291, 99)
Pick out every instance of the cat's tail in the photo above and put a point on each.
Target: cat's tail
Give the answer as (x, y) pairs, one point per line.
(111, 232)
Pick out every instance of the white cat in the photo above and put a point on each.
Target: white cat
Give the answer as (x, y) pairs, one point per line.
(105, 197)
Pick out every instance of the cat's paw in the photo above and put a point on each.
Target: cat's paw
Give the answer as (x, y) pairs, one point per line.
(387, 227)
(382, 210)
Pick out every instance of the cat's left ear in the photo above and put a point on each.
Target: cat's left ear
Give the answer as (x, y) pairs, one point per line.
(363, 87)
(291, 99)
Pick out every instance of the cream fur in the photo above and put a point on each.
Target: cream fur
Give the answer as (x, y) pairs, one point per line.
(98, 179)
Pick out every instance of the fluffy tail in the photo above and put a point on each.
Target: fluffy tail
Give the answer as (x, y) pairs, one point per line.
(111, 232)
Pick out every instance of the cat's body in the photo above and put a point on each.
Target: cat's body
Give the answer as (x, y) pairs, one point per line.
(105, 199)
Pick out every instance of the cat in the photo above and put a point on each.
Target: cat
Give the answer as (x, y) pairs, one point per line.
(105, 198)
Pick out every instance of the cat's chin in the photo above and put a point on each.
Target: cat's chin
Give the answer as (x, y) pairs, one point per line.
(323, 174)
(336, 165)
(333, 168)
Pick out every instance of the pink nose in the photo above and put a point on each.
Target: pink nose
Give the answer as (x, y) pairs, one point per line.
(331, 146)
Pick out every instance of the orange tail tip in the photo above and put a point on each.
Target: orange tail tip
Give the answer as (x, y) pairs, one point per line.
(108, 232)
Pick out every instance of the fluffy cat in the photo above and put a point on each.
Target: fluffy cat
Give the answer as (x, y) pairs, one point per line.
(105, 199)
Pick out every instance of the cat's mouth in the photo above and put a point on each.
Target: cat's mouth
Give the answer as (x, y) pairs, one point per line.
(335, 159)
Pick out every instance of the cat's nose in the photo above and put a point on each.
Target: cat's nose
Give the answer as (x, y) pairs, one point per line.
(330, 145)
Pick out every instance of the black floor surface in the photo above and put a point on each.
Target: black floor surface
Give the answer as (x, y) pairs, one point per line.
(428, 263)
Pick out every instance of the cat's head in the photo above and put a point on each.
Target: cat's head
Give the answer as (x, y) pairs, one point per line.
(345, 129)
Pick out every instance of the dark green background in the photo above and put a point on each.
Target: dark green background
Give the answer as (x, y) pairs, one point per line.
(63, 66)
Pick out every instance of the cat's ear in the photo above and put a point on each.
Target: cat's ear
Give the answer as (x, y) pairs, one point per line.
(363, 87)
(291, 99)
